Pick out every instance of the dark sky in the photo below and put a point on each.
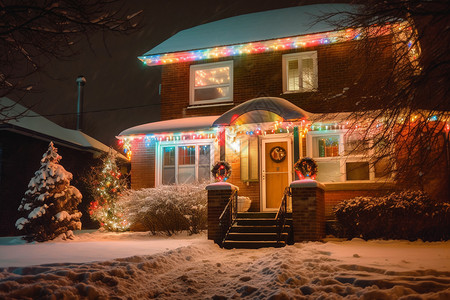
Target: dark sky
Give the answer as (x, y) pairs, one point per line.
(121, 92)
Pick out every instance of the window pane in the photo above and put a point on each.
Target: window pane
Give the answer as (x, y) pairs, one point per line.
(213, 76)
(356, 144)
(293, 75)
(253, 158)
(244, 159)
(186, 155)
(382, 168)
(204, 163)
(357, 170)
(328, 171)
(168, 168)
(307, 73)
(186, 164)
(211, 93)
(326, 146)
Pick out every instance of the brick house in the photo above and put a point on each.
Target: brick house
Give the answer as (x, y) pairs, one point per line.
(251, 90)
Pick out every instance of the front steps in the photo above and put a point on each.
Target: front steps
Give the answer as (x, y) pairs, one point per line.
(257, 230)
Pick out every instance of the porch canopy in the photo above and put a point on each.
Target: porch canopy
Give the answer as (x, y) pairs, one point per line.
(261, 110)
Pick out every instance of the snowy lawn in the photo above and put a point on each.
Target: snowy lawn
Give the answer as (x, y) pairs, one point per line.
(201, 270)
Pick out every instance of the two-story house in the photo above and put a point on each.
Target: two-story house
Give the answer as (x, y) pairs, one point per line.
(251, 90)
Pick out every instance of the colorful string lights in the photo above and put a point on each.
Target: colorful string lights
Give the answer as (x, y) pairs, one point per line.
(295, 42)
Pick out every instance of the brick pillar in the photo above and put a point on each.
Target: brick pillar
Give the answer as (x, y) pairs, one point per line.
(218, 196)
(308, 210)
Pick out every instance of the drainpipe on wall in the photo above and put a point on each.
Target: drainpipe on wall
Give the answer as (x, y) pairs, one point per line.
(81, 81)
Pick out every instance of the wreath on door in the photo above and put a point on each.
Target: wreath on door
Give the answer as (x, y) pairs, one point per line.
(306, 168)
(277, 154)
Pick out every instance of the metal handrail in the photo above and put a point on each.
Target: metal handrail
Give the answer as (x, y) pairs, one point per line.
(281, 214)
(228, 216)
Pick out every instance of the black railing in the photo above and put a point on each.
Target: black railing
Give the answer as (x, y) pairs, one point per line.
(228, 216)
(281, 214)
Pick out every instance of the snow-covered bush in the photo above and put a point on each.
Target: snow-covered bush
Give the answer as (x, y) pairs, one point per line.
(49, 207)
(406, 215)
(167, 208)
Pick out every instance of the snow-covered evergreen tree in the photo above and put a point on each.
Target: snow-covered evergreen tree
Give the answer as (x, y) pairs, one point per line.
(49, 207)
(107, 185)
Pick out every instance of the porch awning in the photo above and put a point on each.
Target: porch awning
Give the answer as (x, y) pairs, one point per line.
(260, 110)
(169, 126)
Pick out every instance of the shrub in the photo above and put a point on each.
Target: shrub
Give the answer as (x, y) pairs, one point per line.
(407, 215)
(167, 208)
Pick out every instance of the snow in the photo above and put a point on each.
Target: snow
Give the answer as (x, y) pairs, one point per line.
(184, 124)
(306, 183)
(260, 26)
(195, 268)
(37, 212)
(219, 186)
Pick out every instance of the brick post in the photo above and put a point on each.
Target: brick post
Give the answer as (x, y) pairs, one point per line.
(308, 210)
(218, 196)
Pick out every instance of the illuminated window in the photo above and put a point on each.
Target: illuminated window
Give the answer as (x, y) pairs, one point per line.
(184, 163)
(211, 83)
(300, 72)
(344, 156)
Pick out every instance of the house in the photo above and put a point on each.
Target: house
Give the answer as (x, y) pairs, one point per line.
(252, 90)
(24, 137)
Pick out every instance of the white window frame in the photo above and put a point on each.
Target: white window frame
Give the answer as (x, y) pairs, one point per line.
(192, 88)
(176, 144)
(342, 158)
(299, 56)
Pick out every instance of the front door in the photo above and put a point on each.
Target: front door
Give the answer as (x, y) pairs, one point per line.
(276, 171)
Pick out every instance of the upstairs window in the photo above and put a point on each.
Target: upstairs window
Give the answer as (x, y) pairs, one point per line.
(300, 72)
(211, 83)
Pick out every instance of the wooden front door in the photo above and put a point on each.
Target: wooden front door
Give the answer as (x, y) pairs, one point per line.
(276, 169)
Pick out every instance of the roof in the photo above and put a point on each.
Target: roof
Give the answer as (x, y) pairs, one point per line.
(254, 111)
(18, 118)
(266, 25)
(184, 124)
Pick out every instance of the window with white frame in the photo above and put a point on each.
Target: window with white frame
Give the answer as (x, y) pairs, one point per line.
(211, 83)
(184, 163)
(344, 156)
(300, 72)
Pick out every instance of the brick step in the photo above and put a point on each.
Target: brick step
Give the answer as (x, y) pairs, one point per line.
(253, 244)
(261, 229)
(256, 236)
(259, 222)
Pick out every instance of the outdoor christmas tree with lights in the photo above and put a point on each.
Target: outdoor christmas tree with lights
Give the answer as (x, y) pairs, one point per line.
(107, 185)
(49, 207)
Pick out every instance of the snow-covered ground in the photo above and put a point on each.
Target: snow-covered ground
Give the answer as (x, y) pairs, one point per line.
(194, 268)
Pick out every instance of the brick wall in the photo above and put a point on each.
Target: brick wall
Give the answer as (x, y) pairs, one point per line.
(308, 213)
(217, 200)
(142, 165)
(260, 74)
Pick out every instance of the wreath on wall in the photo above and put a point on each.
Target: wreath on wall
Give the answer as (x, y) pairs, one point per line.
(306, 168)
(221, 171)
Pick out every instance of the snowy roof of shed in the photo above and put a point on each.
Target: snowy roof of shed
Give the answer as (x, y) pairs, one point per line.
(184, 124)
(260, 26)
(16, 116)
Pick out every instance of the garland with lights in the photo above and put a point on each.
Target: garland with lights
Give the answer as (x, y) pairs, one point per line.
(306, 168)
(108, 185)
(221, 171)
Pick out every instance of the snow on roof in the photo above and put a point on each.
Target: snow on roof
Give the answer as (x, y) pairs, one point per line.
(184, 124)
(260, 26)
(31, 121)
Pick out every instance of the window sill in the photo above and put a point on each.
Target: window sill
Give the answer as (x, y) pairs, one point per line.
(210, 105)
(299, 92)
(359, 185)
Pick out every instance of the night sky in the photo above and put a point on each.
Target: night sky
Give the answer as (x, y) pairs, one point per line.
(121, 92)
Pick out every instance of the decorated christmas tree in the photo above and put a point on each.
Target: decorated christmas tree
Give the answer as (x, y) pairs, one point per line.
(49, 207)
(107, 185)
